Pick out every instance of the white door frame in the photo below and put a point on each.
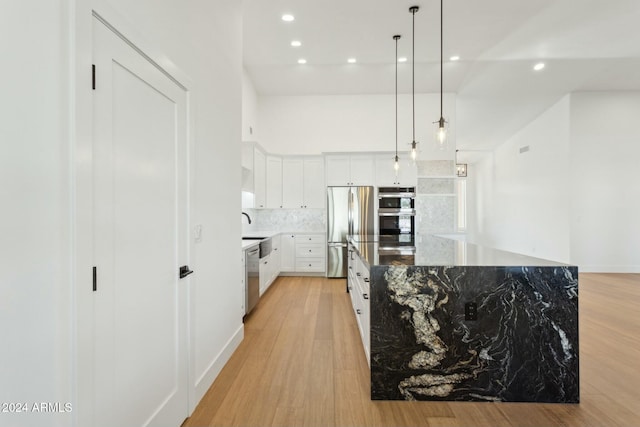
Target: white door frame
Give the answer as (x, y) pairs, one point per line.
(81, 105)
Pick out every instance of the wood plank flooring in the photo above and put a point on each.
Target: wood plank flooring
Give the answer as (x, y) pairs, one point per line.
(302, 364)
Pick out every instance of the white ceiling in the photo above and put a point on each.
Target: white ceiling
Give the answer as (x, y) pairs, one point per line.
(586, 45)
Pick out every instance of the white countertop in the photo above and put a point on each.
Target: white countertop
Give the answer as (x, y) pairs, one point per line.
(246, 244)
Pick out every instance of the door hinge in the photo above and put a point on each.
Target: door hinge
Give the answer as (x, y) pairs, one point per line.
(95, 279)
(93, 76)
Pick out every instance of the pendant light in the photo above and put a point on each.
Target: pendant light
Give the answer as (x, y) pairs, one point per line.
(441, 132)
(414, 143)
(396, 164)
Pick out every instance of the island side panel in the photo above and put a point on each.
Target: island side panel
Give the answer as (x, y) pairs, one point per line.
(523, 347)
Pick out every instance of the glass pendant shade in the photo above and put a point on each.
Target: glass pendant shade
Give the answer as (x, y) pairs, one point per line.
(414, 151)
(441, 133)
(396, 164)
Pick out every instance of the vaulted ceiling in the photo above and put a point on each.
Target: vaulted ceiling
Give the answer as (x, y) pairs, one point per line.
(586, 45)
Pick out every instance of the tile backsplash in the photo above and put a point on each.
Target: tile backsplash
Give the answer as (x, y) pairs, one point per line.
(312, 220)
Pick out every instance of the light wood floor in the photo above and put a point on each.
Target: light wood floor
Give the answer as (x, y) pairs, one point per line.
(302, 364)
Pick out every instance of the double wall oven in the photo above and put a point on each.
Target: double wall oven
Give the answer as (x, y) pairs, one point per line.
(396, 211)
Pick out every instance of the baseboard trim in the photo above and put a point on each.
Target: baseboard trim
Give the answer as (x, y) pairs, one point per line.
(609, 268)
(303, 274)
(205, 380)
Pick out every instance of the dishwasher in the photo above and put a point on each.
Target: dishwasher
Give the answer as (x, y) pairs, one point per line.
(252, 279)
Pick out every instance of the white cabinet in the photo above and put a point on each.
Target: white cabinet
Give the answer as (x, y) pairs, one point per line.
(338, 170)
(264, 273)
(270, 265)
(407, 175)
(353, 169)
(304, 253)
(359, 291)
(292, 183)
(259, 178)
(310, 252)
(288, 252)
(303, 182)
(313, 183)
(275, 258)
(243, 284)
(273, 182)
(362, 170)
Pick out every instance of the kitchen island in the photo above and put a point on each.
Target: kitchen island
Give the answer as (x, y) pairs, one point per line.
(454, 321)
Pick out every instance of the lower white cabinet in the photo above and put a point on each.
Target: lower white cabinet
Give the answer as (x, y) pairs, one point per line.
(265, 274)
(303, 253)
(358, 284)
(275, 257)
(270, 265)
(287, 252)
(243, 284)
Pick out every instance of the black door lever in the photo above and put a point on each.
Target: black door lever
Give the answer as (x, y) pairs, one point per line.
(184, 271)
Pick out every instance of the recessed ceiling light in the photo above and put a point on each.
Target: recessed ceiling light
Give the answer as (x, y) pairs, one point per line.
(402, 59)
(296, 43)
(539, 66)
(288, 18)
(302, 61)
(454, 58)
(351, 60)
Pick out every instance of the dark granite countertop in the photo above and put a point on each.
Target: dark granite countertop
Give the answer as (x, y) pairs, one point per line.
(431, 250)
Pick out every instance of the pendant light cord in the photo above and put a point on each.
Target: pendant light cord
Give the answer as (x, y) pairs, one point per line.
(441, 56)
(396, 37)
(413, 71)
(396, 60)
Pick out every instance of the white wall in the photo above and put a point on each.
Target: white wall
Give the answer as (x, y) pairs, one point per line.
(341, 123)
(41, 281)
(605, 161)
(574, 196)
(35, 213)
(520, 201)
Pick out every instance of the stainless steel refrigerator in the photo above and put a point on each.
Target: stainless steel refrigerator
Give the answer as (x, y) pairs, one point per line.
(349, 212)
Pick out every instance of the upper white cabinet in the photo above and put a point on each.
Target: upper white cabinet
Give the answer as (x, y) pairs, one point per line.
(274, 182)
(350, 169)
(292, 186)
(386, 175)
(302, 182)
(314, 190)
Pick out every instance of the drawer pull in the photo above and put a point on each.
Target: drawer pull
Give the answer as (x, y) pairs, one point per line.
(358, 274)
(365, 296)
(358, 311)
(366, 279)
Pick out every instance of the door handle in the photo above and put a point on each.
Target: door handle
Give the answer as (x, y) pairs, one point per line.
(184, 271)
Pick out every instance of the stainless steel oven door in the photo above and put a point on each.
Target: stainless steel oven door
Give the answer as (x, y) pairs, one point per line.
(396, 221)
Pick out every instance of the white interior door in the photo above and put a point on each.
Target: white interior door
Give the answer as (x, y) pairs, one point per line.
(140, 232)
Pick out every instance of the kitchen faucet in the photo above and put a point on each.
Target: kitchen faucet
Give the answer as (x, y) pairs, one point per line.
(248, 217)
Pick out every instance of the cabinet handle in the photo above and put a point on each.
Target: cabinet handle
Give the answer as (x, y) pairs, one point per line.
(366, 279)
(309, 250)
(358, 274)
(358, 311)
(309, 265)
(365, 296)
